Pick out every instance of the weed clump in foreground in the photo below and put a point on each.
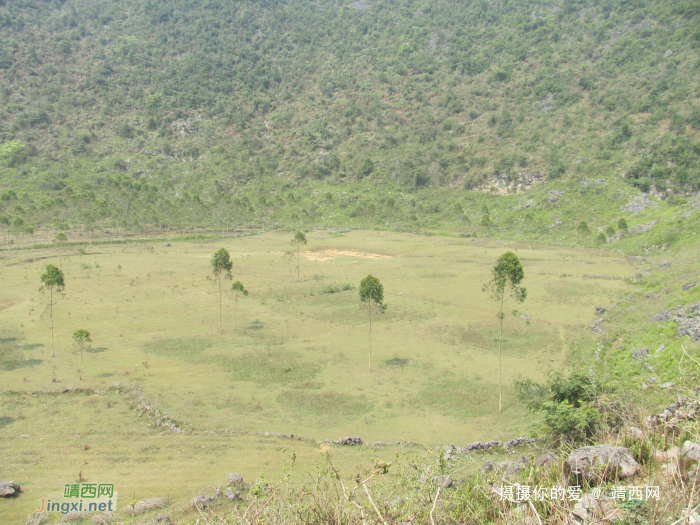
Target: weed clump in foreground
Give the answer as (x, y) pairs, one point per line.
(442, 487)
(454, 485)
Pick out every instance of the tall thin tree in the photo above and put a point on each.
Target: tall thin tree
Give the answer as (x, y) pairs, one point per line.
(505, 281)
(59, 240)
(81, 337)
(372, 298)
(288, 256)
(221, 268)
(53, 281)
(299, 238)
(237, 288)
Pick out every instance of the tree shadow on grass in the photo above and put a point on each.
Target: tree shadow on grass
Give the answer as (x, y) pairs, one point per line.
(397, 361)
(96, 350)
(31, 346)
(11, 353)
(6, 421)
(11, 363)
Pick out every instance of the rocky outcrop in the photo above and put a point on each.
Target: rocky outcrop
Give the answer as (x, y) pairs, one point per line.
(662, 316)
(555, 195)
(639, 203)
(232, 495)
(478, 445)
(591, 508)
(201, 501)
(348, 441)
(689, 461)
(673, 415)
(147, 504)
(601, 463)
(595, 327)
(9, 489)
(687, 316)
(234, 479)
(642, 353)
(691, 328)
(509, 468)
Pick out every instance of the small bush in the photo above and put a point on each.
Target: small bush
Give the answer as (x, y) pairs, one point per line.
(565, 404)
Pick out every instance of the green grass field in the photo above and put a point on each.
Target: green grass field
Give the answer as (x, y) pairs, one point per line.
(293, 359)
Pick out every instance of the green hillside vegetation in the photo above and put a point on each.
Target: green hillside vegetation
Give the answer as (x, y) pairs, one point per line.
(218, 114)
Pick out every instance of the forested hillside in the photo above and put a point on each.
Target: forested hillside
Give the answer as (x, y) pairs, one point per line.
(196, 112)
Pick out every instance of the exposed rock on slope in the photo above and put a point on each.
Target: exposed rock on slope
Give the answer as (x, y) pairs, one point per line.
(601, 462)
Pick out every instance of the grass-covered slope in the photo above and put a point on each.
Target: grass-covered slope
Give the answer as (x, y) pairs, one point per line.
(214, 113)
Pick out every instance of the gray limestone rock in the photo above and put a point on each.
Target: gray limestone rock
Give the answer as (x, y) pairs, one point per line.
(601, 462)
(234, 479)
(689, 461)
(639, 203)
(9, 488)
(232, 495)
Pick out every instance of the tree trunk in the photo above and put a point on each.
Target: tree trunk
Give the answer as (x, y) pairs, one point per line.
(369, 368)
(298, 263)
(53, 348)
(235, 315)
(219, 304)
(500, 359)
(500, 369)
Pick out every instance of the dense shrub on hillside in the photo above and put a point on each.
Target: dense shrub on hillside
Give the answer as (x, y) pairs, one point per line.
(566, 405)
(213, 96)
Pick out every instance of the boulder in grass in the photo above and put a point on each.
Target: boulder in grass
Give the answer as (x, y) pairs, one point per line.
(547, 460)
(232, 495)
(349, 441)
(591, 508)
(147, 504)
(201, 501)
(689, 461)
(9, 488)
(234, 479)
(601, 462)
(445, 481)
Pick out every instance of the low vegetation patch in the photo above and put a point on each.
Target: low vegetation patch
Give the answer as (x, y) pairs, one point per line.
(325, 405)
(272, 367)
(186, 347)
